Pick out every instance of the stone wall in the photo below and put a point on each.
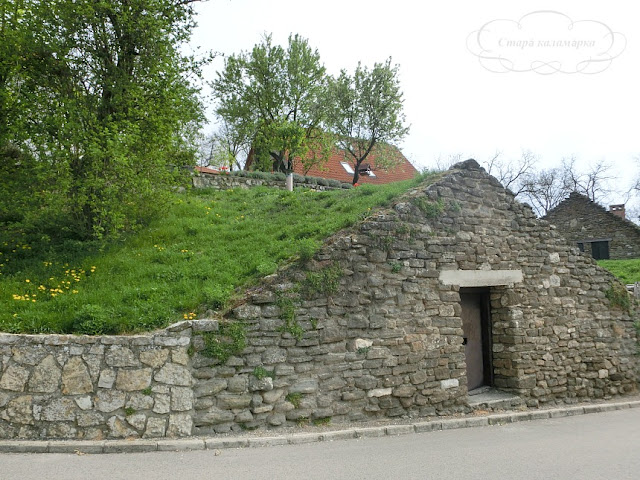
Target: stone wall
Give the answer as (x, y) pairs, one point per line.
(229, 181)
(369, 328)
(579, 219)
(63, 386)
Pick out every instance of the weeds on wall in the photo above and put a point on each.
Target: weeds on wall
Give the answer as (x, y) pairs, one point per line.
(229, 340)
(261, 372)
(431, 209)
(323, 282)
(288, 316)
(294, 398)
(618, 297)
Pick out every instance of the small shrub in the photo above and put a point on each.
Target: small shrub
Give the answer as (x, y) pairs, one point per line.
(618, 297)
(129, 411)
(261, 372)
(322, 421)
(93, 320)
(363, 350)
(294, 399)
(307, 248)
(396, 267)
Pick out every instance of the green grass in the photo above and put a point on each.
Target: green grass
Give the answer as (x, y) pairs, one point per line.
(628, 271)
(207, 245)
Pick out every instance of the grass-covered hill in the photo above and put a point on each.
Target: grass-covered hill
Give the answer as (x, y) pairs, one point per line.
(204, 247)
(628, 271)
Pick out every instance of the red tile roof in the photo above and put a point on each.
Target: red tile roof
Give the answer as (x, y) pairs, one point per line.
(333, 169)
(207, 170)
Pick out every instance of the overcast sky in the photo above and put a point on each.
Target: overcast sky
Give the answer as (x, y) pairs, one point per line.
(566, 83)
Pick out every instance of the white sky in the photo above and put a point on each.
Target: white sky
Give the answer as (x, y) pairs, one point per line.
(453, 102)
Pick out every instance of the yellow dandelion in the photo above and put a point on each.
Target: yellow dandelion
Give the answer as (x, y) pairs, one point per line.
(28, 281)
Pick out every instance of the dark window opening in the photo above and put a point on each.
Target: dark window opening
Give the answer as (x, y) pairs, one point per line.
(600, 250)
(581, 246)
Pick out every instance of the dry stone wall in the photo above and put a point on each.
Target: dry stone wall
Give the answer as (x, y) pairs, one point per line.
(366, 329)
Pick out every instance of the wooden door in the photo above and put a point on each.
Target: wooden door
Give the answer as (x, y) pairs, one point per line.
(476, 338)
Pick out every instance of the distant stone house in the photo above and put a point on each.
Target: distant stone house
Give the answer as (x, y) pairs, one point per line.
(454, 287)
(597, 232)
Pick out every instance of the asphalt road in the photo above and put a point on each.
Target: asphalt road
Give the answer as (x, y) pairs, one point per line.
(594, 446)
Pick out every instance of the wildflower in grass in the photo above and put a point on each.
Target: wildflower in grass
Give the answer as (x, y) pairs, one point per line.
(28, 281)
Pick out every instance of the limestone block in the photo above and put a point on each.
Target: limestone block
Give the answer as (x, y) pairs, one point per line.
(244, 417)
(46, 376)
(137, 420)
(90, 419)
(14, 378)
(180, 425)
(131, 380)
(210, 387)
(272, 396)
(404, 391)
(180, 356)
(139, 401)
(260, 384)
(84, 402)
(107, 378)
(276, 419)
(75, 377)
(273, 356)
(118, 428)
(28, 354)
(59, 410)
(238, 384)
(119, 356)
(19, 410)
(156, 427)
(362, 343)
(379, 392)
(162, 403)
(94, 362)
(214, 416)
(232, 401)
(181, 399)
(366, 382)
(154, 358)
(173, 374)
(61, 430)
(304, 386)
(109, 400)
(449, 383)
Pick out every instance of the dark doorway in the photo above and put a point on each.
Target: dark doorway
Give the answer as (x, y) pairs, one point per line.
(476, 325)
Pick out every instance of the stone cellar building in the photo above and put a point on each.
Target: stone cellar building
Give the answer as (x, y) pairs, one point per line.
(597, 232)
(453, 288)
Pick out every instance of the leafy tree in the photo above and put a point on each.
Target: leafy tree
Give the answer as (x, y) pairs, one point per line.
(106, 105)
(275, 99)
(367, 115)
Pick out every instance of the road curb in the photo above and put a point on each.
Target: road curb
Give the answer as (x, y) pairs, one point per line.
(191, 443)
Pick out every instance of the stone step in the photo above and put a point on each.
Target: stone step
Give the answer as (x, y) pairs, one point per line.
(486, 398)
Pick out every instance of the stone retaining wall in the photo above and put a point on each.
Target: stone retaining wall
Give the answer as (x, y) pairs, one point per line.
(63, 386)
(227, 182)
